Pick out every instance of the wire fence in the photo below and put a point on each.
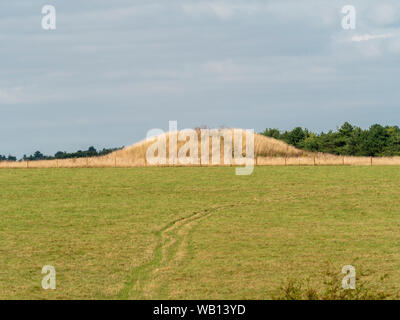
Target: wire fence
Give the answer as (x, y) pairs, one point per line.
(115, 162)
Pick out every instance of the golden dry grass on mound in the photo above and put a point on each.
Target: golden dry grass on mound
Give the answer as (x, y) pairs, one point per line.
(268, 151)
(263, 146)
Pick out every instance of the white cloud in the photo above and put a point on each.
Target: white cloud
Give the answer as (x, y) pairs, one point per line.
(222, 67)
(394, 46)
(11, 95)
(221, 9)
(367, 37)
(317, 12)
(30, 95)
(384, 14)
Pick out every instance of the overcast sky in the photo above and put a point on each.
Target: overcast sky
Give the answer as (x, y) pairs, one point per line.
(112, 70)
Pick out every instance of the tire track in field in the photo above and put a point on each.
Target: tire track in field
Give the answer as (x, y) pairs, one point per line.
(172, 243)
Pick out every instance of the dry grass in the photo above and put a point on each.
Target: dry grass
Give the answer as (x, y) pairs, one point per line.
(268, 151)
(330, 288)
(270, 147)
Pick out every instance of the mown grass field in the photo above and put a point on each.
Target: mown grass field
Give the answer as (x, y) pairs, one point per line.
(195, 233)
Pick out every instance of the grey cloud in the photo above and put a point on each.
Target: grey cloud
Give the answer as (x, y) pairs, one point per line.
(114, 69)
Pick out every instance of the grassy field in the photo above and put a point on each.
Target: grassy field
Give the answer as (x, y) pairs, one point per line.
(196, 233)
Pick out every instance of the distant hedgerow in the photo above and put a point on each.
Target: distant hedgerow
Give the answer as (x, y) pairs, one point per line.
(90, 152)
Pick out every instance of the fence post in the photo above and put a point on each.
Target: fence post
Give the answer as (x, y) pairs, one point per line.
(57, 163)
(314, 160)
(371, 161)
(27, 164)
(343, 160)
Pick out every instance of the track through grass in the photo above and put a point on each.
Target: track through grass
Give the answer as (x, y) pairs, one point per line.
(172, 246)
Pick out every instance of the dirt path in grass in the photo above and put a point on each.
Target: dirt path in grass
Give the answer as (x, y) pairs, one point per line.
(170, 251)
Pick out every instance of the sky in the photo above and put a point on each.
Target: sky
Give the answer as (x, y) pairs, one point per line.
(113, 70)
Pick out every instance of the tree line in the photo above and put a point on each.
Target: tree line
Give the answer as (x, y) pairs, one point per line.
(90, 152)
(377, 140)
(350, 140)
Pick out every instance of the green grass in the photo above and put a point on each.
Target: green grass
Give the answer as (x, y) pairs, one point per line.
(196, 233)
